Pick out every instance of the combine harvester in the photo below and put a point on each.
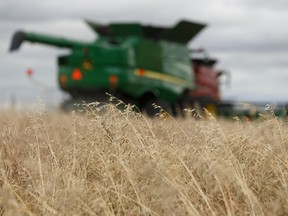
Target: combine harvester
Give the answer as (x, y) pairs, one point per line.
(138, 64)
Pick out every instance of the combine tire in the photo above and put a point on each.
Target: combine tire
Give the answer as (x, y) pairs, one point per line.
(155, 106)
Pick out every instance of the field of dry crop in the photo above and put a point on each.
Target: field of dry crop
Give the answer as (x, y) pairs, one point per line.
(121, 163)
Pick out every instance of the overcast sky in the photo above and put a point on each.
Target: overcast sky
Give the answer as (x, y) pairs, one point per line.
(248, 37)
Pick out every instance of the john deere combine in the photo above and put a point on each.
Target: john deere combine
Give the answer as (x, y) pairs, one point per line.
(139, 64)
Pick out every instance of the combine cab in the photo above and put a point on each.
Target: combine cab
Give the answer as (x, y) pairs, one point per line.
(138, 64)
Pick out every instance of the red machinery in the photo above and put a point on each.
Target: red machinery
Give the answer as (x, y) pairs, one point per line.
(207, 91)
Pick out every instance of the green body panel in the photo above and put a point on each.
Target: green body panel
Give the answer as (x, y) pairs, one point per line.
(162, 59)
(148, 55)
(176, 61)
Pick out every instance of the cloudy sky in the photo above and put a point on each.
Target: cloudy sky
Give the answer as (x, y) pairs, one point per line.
(248, 37)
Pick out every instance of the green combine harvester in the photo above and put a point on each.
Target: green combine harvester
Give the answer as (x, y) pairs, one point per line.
(138, 64)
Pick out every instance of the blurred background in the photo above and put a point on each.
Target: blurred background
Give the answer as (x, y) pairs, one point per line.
(248, 37)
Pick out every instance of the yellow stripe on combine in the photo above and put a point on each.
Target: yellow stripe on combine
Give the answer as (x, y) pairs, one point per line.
(161, 76)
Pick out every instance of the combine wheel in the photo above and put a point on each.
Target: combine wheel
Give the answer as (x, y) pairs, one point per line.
(154, 106)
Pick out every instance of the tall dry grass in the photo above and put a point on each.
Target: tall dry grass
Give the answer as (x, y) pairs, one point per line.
(121, 163)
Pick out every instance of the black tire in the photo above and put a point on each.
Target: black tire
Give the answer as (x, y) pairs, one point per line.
(155, 106)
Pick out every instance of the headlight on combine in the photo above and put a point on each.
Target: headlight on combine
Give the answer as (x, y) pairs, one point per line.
(76, 74)
(113, 80)
(87, 65)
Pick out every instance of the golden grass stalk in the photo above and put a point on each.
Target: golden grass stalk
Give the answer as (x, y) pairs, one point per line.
(110, 162)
